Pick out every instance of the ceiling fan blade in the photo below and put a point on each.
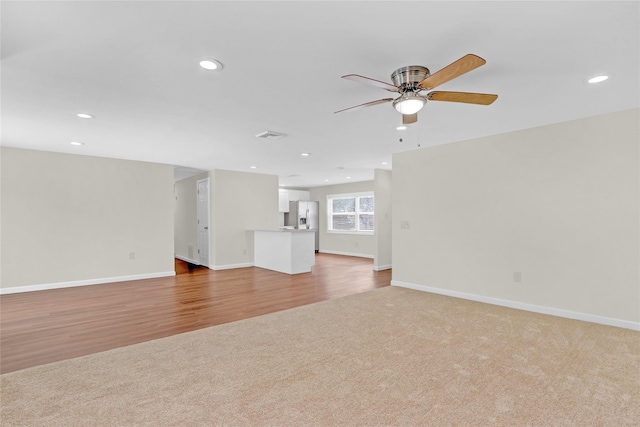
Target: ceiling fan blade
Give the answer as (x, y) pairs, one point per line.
(407, 119)
(372, 82)
(456, 69)
(466, 97)
(367, 104)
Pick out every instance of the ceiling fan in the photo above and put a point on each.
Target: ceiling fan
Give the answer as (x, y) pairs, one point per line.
(410, 81)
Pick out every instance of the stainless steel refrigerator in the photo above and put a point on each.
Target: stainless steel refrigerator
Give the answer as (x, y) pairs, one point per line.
(304, 214)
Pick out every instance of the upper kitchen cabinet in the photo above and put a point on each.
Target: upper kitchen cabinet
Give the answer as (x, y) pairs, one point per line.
(286, 196)
(296, 195)
(283, 201)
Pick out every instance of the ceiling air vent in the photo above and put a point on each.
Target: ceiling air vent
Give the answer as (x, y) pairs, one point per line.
(269, 134)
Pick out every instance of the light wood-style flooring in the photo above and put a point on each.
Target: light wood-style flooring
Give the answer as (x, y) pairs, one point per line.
(48, 326)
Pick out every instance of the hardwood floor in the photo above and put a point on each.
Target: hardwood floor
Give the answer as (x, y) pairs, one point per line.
(48, 326)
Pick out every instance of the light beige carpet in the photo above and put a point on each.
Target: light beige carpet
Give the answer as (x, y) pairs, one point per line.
(390, 356)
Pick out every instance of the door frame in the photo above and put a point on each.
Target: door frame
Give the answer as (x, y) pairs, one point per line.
(208, 220)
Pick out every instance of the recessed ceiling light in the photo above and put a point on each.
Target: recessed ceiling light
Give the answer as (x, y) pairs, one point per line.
(210, 64)
(253, 167)
(85, 116)
(326, 180)
(401, 128)
(76, 143)
(348, 177)
(305, 154)
(383, 163)
(598, 79)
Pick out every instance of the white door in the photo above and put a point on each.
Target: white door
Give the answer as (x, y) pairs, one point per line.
(203, 221)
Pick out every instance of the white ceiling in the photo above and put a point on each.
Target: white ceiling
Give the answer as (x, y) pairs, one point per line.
(134, 66)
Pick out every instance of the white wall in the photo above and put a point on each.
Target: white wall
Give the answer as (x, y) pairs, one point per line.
(558, 204)
(382, 259)
(68, 218)
(345, 244)
(240, 202)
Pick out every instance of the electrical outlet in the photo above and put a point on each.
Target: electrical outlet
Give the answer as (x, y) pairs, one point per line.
(244, 252)
(405, 225)
(132, 255)
(517, 277)
(356, 244)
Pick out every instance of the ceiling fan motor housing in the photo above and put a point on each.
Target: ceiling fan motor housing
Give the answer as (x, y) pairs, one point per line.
(407, 78)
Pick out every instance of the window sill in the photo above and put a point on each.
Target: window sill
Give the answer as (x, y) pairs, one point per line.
(357, 233)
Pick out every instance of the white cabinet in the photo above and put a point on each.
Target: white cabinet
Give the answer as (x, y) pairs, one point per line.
(286, 251)
(283, 200)
(295, 195)
(286, 196)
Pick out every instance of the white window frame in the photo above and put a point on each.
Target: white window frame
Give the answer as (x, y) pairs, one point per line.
(357, 196)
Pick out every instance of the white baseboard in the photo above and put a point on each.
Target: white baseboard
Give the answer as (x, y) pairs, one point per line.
(346, 254)
(60, 285)
(381, 267)
(232, 266)
(602, 320)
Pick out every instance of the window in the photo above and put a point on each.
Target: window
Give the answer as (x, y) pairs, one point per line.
(350, 213)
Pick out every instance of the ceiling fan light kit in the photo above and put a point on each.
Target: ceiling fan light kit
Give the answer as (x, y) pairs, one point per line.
(411, 80)
(409, 103)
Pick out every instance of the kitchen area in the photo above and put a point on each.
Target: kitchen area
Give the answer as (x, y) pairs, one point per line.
(242, 202)
(291, 249)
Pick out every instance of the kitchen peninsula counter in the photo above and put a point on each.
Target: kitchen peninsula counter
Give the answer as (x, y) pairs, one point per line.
(290, 251)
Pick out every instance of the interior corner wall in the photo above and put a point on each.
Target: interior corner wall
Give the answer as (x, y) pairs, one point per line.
(555, 206)
(68, 218)
(342, 244)
(383, 220)
(185, 235)
(240, 202)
